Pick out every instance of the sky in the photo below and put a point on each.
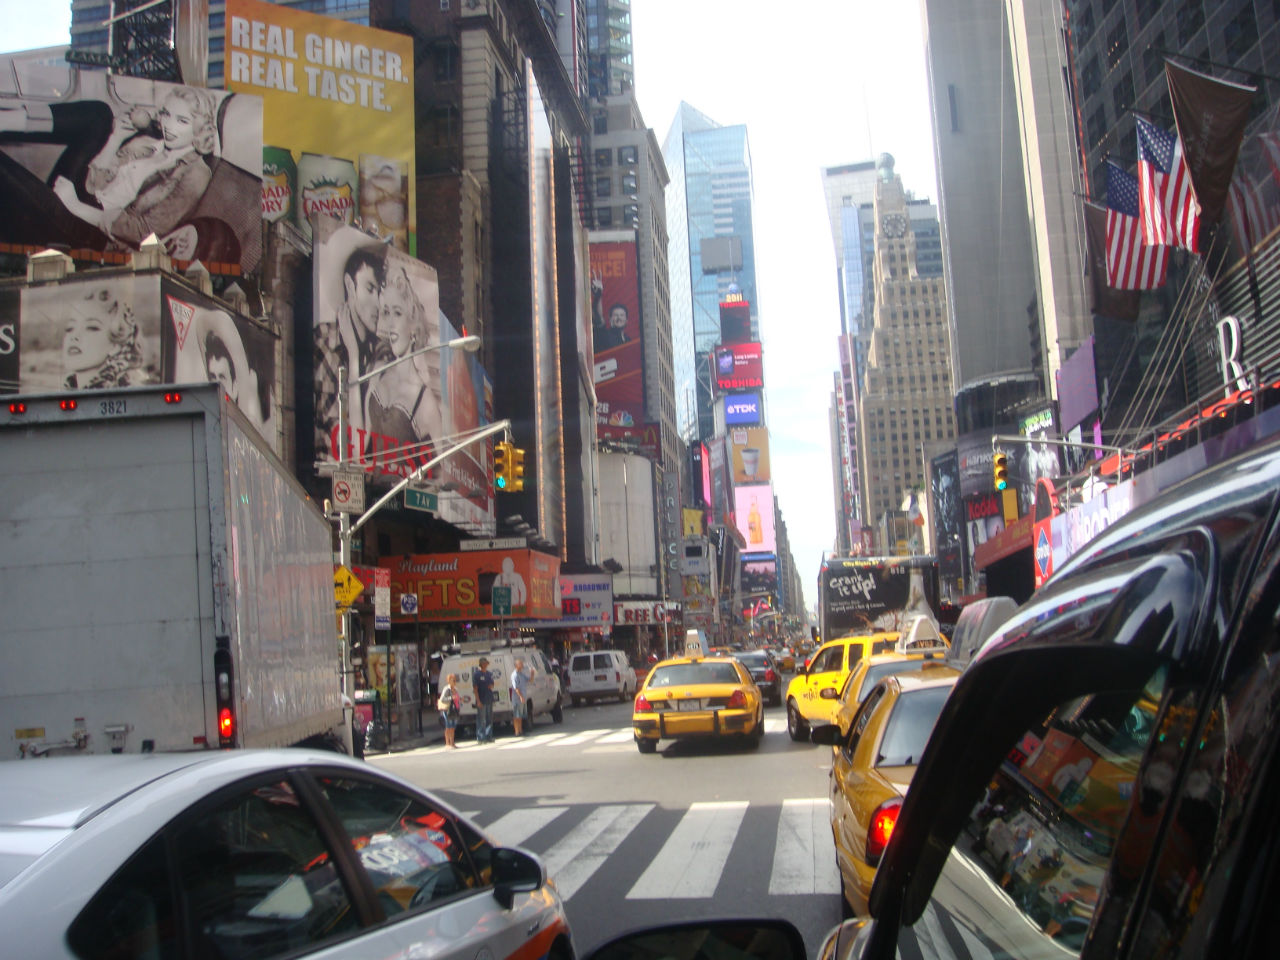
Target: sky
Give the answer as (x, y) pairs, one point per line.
(817, 84)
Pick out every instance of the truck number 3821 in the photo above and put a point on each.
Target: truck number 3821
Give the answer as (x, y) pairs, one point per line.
(111, 407)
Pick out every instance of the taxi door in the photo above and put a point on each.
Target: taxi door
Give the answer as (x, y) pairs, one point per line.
(826, 672)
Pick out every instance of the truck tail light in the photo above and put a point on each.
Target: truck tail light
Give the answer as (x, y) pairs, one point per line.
(17, 407)
(882, 824)
(173, 396)
(737, 701)
(67, 404)
(643, 705)
(224, 692)
(226, 724)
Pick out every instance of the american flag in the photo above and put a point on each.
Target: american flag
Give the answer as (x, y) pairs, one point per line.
(1130, 264)
(1252, 217)
(1170, 211)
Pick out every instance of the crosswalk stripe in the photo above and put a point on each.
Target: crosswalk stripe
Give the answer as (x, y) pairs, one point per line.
(536, 740)
(621, 736)
(691, 861)
(575, 858)
(517, 826)
(799, 866)
(582, 737)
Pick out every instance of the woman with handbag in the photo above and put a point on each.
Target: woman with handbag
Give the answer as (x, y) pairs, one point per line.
(450, 703)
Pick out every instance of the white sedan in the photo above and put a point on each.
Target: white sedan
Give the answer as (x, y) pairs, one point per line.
(256, 854)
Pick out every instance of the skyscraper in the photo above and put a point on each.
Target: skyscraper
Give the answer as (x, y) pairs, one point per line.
(709, 197)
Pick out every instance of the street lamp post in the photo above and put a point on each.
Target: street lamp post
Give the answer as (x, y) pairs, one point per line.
(345, 528)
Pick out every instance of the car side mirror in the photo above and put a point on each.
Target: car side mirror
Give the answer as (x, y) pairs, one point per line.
(722, 939)
(829, 693)
(828, 734)
(515, 871)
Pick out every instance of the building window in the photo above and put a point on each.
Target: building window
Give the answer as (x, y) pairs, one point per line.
(1122, 94)
(1153, 58)
(600, 123)
(1190, 19)
(1097, 125)
(1241, 32)
(444, 5)
(604, 187)
(604, 158)
(1084, 26)
(628, 155)
(1117, 43)
(629, 183)
(1090, 77)
(445, 57)
(604, 217)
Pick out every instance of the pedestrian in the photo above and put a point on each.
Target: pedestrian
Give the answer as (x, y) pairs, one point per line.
(482, 687)
(520, 696)
(450, 704)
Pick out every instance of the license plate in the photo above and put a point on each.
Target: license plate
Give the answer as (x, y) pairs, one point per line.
(601, 678)
(688, 704)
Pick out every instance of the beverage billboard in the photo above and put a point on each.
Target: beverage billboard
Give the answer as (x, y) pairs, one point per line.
(755, 518)
(374, 304)
(337, 104)
(739, 367)
(615, 319)
(749, 448)
(459, 586)
(96, 162)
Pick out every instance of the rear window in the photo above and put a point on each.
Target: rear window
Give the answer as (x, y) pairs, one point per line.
(909, 726)
(705, 671)
(603, 661)
(581, 661)
(757, 660)
(878, 671)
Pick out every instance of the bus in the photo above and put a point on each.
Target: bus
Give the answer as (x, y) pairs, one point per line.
(861, 595)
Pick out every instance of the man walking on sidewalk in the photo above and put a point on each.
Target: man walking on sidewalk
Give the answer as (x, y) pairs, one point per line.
(482, 687)
(520, 696)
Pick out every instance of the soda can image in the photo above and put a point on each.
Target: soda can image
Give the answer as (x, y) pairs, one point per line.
(384, 199)
(279, 183)
(326, 187)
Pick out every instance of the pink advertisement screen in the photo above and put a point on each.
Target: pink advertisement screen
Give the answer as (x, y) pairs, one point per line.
(755, 518)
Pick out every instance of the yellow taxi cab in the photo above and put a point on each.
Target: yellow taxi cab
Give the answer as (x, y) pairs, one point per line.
(813, 693)
(921, 644)
(694, 696)
(871, 768)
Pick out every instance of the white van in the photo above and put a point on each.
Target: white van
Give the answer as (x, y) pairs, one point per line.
(597, 674)
(544, 689)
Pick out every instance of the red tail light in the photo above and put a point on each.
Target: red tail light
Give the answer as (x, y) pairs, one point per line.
(226, 723)
(882, 823)
(770, 676)
(173, 396)
(643, 705)
(67, 404)
(737, 701)
(18, 407)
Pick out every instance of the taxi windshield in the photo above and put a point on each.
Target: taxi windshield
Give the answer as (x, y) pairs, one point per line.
(909, 726)
(704, 671)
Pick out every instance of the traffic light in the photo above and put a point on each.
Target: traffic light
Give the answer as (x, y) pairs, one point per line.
(515, 468)
(501, 465)
(1000, 469)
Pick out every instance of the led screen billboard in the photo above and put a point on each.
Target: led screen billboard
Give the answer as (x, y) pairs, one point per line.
(759, 575)
(755, 518)
(741, 409)
(738, 367)
(374, 303)
(615, 317)
(338, 102)
(735, 322)
(749, 448)
(96, 162)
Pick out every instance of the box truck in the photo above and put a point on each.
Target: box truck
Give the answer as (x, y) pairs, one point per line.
(165, 582)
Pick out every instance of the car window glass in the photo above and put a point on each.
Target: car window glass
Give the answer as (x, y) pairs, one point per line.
(581, 661)
(878, 671)
(132, 915)
(909, 726)
(257, 878)
(862, 719)
(480, 850)
(410, 850)
(1023, 878)
(692, 673)
(828, 660)
(602, 661)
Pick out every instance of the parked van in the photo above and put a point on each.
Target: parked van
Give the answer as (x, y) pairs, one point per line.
(544, 689)
(600, 674)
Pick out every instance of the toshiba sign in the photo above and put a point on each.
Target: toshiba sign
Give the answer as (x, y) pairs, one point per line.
(739, 367)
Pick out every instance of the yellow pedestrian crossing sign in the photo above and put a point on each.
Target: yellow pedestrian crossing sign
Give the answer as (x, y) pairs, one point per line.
(346, 587)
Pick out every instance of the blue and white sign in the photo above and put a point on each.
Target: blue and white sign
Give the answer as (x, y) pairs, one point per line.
(741, 408)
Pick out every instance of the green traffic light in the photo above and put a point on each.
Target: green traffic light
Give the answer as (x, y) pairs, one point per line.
(500, 483)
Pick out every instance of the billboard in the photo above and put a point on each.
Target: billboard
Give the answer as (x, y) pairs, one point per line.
(374, 303)
(459, 586)
(96, 163)
(759, 575)
(1077, 386)
(742, 409)
(735, 321)
(948, 526)
(739, 367)
(615, 319)
(755, 518)
(749, 449)
(586, 600)
(338, 100)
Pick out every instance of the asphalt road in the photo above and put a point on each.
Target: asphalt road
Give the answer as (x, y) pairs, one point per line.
(697, 830)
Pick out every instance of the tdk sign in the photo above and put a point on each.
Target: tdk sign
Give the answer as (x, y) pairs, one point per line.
(740, 408)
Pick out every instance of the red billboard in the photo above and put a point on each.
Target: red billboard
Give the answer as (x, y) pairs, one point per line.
(615, 318)
(735, 321)
(459, 586)
(739, 367)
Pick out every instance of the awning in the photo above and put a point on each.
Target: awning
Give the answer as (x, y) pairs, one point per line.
(1014, 537)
